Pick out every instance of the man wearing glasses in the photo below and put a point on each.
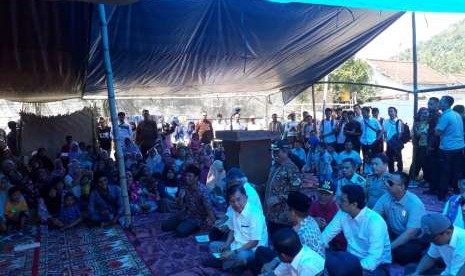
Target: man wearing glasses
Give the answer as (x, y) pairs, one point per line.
(402, 211)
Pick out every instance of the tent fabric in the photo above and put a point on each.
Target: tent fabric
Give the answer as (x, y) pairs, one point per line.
(393, 5)
(177, 47)
(49, 132)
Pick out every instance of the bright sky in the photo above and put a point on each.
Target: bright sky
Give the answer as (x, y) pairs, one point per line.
(399, 35)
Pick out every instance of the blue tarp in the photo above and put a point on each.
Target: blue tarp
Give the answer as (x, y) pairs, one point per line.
(177, 47)
(457, 6)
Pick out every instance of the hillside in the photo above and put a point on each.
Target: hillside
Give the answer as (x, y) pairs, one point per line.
(444, 52)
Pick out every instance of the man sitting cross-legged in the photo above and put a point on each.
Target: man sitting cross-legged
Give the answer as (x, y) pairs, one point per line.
(402, 211)
(368, 245)
(195, 205)
(247, 230)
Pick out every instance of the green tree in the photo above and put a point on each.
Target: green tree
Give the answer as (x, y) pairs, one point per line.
(353, 70)
(443, 52)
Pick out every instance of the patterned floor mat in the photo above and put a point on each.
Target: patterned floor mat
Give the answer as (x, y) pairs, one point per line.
(166, 254)
(18, 262)
(89, 251)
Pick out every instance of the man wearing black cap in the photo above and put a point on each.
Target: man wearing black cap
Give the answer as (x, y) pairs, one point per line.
(303, 224)
(447, 243)
(283, 178)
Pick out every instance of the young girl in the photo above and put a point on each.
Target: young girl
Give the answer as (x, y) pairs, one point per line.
(16, 210)
(168, 189)
(70, 213)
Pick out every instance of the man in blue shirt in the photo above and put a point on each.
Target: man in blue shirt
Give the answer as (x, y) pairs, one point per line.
(451, 146)
(105, 203)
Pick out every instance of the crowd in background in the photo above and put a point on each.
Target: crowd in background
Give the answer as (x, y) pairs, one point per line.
(363, 215)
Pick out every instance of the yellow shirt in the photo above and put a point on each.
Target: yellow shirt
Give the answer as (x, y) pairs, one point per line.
(12, 209)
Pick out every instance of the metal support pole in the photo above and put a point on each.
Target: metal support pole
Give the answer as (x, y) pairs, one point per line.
(113, 113)
(415, 66)
(313, 102)
(325, 95)
(415, 79)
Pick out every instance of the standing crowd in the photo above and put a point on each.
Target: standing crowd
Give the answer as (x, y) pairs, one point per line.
(362, 218)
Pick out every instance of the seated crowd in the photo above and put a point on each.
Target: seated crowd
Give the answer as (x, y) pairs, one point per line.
(325, 208)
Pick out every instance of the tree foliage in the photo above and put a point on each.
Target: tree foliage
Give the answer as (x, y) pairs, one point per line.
(353, 70)
(443, 52)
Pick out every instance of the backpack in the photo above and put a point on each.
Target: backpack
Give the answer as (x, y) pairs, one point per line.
(405, 136)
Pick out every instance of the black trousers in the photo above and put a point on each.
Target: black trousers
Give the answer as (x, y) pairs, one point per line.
(183, 228)
(432, 175)
(342, 263)
(394, 155)
(410, 252)
(419, 163)
(263, 255)
(451, 170)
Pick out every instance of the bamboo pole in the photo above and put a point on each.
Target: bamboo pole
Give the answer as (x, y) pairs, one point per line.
(113, 113)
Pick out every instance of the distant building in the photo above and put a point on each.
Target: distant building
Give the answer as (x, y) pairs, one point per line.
(399, 74)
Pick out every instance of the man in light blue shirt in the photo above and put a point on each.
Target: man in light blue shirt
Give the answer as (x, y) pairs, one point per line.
(450, 131)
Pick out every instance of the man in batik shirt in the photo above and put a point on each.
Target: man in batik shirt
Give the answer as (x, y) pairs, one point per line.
(284, 177)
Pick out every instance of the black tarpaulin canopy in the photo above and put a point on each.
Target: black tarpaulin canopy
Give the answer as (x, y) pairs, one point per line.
(50, 50)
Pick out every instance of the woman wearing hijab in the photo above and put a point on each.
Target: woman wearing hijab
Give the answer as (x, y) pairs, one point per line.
(215, 178)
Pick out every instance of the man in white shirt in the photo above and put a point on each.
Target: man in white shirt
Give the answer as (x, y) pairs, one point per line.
(124, 129)
(368, 245)
(236, 123)
(447, 243)
(253, 125)
(348, 152)
(451, 147)
(219, 124)
(247, 230)
(290, 129)
(371, 133)
(297, 259)
(328, 129)
(394, 145)
(234, 177)
(402, 211)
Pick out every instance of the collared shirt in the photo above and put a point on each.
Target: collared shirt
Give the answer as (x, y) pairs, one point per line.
(369, 134)
(252, 198)
(310, 235)
(237, 126)
(306, 263)
(375, 188)
(453, 254)
(356, 179)
(352, 155)
(249, 225)
(276, 127)
(403, 214)
(453, 210)
(282, 179)
(290, 128)
(326, 127)
(256, 126)
(341, 137)
(392, 127)
(451, 126)
(366, 234)
(124, 131)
